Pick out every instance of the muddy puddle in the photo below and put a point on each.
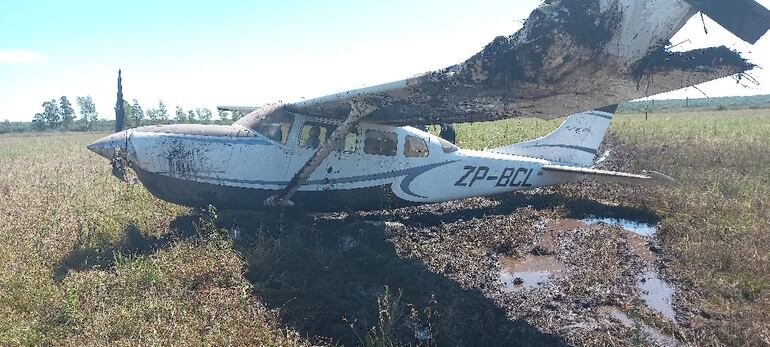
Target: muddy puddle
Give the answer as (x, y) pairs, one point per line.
(529, 272)
(642, 229)
(657, 294)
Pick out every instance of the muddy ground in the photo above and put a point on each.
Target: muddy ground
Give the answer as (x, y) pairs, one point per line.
(526, 268)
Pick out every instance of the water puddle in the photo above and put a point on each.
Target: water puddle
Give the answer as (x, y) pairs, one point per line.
(652, 333)
(530, 272)
(638, 228)
(657, 294)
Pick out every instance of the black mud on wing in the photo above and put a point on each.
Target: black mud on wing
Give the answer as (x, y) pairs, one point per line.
(570, 56)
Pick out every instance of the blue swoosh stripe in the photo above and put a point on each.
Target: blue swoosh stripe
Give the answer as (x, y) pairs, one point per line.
(410, 173)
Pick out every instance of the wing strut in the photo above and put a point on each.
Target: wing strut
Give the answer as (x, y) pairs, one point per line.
(358, 110)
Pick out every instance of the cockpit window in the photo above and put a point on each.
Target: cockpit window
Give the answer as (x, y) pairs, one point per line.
(415, 147)
(447, 146)
(276, 127)
(380, 142)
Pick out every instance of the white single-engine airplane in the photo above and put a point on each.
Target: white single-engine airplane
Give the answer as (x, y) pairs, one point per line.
(354, 150)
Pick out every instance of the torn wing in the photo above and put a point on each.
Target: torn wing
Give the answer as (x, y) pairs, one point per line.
(570, 56)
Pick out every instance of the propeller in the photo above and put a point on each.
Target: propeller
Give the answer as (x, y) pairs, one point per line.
(120, 112)
(119, 158)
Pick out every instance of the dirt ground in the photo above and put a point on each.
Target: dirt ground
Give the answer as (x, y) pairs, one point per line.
(517, 268)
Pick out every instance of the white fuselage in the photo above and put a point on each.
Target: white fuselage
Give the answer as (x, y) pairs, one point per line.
(190, 169)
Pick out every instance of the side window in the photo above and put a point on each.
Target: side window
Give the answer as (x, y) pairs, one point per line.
(380, 142)
(415, 147)
(350, 143)
(313, 135)
(447, 146)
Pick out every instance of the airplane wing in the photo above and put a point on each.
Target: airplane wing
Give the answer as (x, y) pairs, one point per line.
(570, 56)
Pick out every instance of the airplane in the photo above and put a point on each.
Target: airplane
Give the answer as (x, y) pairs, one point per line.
(356, 150)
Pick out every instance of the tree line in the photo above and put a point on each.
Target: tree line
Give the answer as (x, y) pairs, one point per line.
(61, 115)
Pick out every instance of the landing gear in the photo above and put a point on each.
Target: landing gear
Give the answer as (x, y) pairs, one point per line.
(121, 166)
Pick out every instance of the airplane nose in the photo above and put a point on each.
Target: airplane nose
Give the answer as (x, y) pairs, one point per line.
(107, 145)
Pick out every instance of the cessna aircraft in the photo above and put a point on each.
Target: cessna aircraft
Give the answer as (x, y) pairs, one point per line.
(356, 151)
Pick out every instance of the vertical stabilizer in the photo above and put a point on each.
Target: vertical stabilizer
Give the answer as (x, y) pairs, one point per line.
(575, 142)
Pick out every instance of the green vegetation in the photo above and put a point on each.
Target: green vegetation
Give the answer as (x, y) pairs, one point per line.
(715, 224)
(80, 262)
(88, 260)
(60, 116)
(699, 104)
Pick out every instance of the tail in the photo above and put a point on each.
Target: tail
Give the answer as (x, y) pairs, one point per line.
(574, 143)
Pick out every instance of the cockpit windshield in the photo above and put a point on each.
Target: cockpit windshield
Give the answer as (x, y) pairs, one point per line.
(275, 126)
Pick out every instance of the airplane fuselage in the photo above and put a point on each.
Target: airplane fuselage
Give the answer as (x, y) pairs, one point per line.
(376, 167)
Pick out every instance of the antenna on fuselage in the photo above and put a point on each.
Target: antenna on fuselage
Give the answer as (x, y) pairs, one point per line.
(120, 114)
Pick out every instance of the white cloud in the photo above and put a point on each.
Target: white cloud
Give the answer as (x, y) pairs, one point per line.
(20, 56)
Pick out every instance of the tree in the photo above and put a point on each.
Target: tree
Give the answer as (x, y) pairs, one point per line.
(162, 112)
(88, 114)
(137, 115)
(181, 117)
(224, 117)
(38, 122)
(191, 116)
(67, 112)
(204, 115)
(51, 114)
(152, 116)
(235, 115)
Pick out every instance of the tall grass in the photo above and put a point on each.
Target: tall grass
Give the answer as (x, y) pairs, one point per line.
(70, 273)
(717, 221)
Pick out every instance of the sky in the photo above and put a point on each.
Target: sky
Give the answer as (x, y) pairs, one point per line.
(246, 52)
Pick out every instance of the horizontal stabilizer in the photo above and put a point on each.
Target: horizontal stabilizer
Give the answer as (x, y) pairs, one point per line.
(244, 110)
(648, 177)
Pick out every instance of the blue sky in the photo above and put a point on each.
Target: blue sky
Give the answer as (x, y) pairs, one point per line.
(200, 54)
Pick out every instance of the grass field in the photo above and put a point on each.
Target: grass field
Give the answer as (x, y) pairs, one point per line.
(75, 266)
(87, 260)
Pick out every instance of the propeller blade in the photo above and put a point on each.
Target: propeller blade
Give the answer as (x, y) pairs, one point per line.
(119, 110)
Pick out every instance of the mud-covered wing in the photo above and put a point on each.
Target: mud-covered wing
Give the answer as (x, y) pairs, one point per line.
(570, 56)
